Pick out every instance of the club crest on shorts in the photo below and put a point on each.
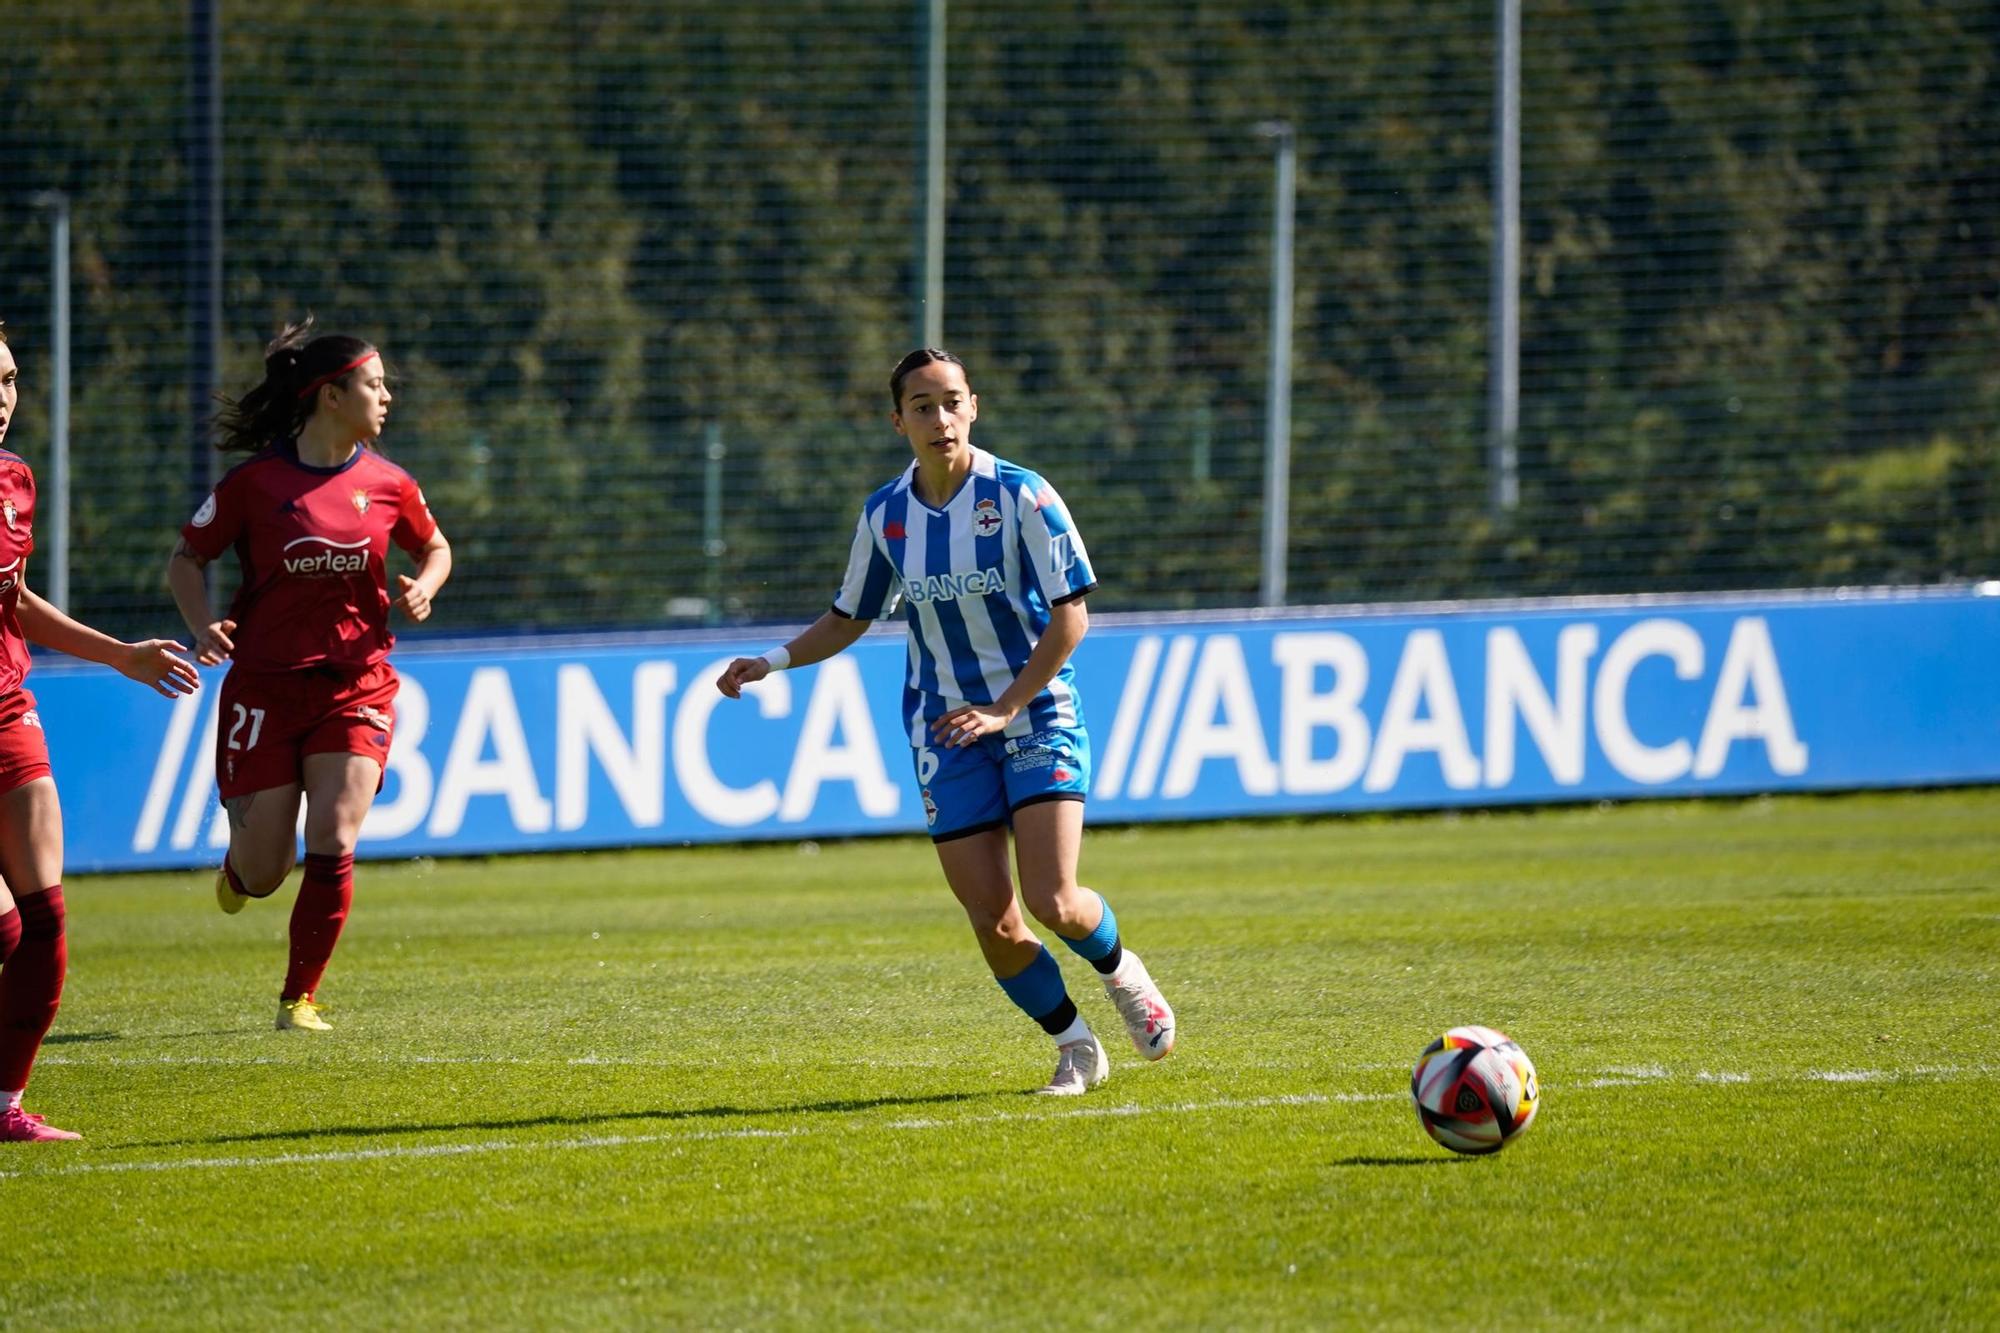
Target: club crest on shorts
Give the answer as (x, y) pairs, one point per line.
(360, 499)
(930, 808)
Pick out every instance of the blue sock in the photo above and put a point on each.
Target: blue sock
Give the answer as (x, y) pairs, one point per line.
(1038, 989)
(1100, 948)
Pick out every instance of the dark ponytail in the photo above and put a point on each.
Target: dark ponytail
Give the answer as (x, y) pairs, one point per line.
(296, 364)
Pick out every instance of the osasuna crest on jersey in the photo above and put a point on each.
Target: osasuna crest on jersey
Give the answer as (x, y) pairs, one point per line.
(976, 580)
(360, 499)
(7, 508)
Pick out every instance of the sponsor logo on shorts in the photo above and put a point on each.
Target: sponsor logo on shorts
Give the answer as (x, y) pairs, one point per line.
(1044, 749)
(930, 808)
(31, 718)
(374, 717)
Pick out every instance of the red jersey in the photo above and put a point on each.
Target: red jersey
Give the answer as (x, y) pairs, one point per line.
(17, 540)
(314, 545)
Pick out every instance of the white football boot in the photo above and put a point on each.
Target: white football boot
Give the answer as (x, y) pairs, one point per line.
(1143, 1008)
(1080, 1066)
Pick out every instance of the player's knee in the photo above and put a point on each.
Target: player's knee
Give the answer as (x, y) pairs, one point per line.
(999, 925)
(1060, 907)
(335, 835)
(260, 876)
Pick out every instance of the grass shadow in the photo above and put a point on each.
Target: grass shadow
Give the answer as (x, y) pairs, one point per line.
(1398, 1161)
(843, 1106)
(76, 1038)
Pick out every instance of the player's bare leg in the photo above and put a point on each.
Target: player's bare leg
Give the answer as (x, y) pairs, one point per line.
(34, 949)
(263, 845)
(1048, 838)
(976, 867)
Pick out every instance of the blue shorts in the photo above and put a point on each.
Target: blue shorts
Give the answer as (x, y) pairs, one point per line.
(971, 789)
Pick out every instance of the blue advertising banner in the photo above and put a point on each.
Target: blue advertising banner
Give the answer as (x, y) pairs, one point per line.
(503, 746)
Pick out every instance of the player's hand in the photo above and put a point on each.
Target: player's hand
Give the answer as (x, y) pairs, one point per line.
(743, 671)
(154, 662)
(212, 644)
(414, 601)
(967, 723)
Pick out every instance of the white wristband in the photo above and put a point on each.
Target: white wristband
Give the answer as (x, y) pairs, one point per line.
(777, 659)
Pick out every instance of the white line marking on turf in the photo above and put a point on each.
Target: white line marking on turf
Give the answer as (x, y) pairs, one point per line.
(414, 1151)
(1622, 1079)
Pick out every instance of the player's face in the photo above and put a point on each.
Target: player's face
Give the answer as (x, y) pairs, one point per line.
(363, 406)
(938, 410)
(10, 389)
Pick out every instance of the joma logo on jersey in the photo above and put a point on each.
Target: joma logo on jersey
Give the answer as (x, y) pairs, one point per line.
(1062, 552)
(322, 558)
(951, 587)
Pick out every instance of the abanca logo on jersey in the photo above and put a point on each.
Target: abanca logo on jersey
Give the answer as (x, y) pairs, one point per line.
(331, 559)
(951, 587)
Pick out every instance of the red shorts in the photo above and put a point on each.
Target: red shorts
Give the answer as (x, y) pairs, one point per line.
(269, 721)
(24, 751)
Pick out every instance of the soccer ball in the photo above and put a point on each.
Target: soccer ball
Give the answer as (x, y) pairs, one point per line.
(1475, 1090)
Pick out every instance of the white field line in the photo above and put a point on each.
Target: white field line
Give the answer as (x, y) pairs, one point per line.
(685, 1136)
(1614, 1079)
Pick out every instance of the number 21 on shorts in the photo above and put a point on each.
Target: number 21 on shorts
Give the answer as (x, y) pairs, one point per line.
(254, 717)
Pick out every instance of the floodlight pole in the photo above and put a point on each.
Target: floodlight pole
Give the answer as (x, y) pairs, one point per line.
(204, 235)
(930, 133)
(1278, 386)
(57, 511)
(1503, 376)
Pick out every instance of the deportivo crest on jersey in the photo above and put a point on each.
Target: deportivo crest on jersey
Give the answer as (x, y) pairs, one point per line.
(360, 499)
(986, 518)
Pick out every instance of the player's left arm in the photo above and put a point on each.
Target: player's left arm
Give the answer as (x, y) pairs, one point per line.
(433, 568)
(1068, 623)
(150, 661)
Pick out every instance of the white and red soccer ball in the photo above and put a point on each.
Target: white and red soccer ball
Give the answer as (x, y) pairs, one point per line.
(1475, 1090)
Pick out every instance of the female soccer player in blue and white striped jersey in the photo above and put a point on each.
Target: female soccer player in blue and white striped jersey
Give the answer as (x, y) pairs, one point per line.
(992, 576)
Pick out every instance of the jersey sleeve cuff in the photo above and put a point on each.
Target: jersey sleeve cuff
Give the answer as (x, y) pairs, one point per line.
(1080, 593)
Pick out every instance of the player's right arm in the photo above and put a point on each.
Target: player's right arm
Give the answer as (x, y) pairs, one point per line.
(213, 530)
(868, 590)
(829, 636)
(212, 641)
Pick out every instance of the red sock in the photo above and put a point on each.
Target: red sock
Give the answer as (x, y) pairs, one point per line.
(31, 984)
(317, 916)
(10, 933)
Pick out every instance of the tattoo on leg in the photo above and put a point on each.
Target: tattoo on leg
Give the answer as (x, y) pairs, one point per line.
(239, 810)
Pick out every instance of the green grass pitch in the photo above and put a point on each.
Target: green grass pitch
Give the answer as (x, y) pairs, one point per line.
(771, 1086)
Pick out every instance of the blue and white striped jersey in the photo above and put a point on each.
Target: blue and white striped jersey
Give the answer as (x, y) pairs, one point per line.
(976, 580)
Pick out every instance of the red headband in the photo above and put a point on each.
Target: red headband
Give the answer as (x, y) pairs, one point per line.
(333, 375)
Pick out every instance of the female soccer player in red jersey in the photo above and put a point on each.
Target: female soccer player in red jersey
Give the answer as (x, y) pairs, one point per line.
(33, 951)
(308, 708)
